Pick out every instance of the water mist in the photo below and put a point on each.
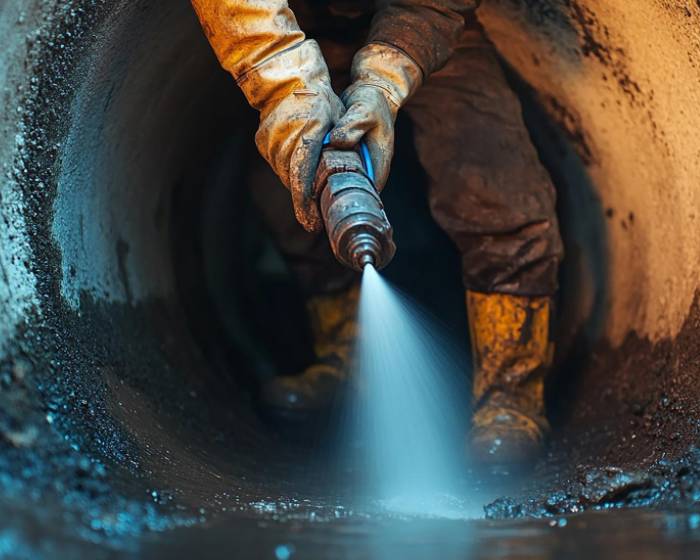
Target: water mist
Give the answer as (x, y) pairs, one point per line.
(412, 398)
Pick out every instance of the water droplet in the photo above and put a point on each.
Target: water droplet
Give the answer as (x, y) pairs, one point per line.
(284, 551)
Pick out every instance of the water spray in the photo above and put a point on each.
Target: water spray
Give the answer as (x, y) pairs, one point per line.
(404, 416)
(353, 214)
(409, 407)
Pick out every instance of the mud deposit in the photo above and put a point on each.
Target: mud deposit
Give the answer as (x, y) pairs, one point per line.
(629, 431)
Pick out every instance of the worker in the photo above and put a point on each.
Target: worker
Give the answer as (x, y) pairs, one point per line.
(486, 187)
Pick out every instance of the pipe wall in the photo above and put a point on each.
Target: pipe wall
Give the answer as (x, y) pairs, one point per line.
(109, 112)
(622, 80)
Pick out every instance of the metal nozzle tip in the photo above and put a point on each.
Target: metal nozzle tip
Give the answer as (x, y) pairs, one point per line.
(366, 259)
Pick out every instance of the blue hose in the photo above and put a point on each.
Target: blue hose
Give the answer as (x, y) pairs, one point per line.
(364, 154)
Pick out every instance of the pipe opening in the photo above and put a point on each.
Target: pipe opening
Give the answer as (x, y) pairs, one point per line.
(175, 296)
(173, 293)
(162, 302)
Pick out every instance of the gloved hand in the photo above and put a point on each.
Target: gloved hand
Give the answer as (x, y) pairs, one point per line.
(286, 79)
(383, 77)
(297, 107)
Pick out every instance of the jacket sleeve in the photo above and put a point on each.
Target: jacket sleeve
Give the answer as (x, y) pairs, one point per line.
(246, 33)
(426, 30)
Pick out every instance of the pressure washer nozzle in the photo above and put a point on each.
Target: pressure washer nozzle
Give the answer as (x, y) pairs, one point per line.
(366, 259)
(357, 227)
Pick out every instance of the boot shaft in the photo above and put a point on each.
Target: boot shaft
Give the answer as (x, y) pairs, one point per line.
(510, 347)
(333, 320)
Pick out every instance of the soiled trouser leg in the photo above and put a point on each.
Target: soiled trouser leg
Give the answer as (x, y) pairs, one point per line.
(489, 192)
(487, 188)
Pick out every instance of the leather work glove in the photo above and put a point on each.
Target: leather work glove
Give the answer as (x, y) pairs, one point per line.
(384, 77)
(284, 77)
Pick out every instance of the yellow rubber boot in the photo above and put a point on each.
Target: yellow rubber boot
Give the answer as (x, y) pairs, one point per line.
(512, 353)
(334, 327)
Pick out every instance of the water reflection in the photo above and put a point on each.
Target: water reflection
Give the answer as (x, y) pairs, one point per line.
(619, 535)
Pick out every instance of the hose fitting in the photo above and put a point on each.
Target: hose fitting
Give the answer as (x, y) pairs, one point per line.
(353, 214)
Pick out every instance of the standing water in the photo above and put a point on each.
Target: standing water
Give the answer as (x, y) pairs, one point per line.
(411, 406)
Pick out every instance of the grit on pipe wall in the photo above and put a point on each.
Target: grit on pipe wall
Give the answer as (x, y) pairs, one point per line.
(128, 336)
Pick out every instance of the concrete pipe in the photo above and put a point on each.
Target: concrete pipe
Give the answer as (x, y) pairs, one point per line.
(130, 333)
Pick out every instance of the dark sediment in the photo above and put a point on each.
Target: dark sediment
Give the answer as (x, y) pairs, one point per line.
(628, 432)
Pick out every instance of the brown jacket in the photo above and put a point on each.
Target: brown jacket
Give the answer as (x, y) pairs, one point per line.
(426, 30)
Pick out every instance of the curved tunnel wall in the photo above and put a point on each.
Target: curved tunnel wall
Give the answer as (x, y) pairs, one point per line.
(621, 83)
(110, 108)
(113, 115)
(147, 104)
(141, 107)
(621, 80)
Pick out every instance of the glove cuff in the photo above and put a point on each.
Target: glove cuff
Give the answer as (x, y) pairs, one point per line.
(299, 70)
(387, 68)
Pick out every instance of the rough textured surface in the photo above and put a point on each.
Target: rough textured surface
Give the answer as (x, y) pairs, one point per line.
(621, 82)
(17, 282)
(122, 409)
(630, 424)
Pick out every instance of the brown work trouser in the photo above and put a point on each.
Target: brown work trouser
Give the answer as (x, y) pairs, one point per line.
(486, 187)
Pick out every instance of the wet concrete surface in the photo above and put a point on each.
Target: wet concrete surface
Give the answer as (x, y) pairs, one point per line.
(195, 473)
(632, 534)
(622, 536)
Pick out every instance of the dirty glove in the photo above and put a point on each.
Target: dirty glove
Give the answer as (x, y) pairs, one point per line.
(297, 108)
(286, 78)
(383, 77)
